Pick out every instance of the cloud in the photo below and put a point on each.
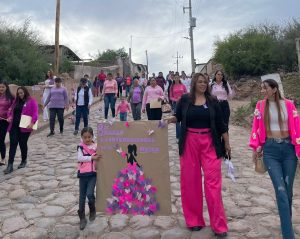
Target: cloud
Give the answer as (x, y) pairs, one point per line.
(89, 26)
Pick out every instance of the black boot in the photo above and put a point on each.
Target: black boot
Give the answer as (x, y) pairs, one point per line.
(92, 211)
(83, 221)
(22, 164)
(9, 168)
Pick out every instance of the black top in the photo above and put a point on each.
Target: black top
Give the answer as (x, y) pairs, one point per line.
(17, 114)
(217, 125)
(198, 117)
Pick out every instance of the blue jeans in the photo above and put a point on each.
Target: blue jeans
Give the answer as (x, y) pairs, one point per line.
(86, 189)
(81, 111)
(177, 124)
(109, 100)
(281, 162)
(127, 90)
(123, 116)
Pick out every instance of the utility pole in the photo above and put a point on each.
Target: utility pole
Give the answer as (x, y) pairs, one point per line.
(177, 57)
(57, 51)
(147, 64)
(298, 51)
(192, 25)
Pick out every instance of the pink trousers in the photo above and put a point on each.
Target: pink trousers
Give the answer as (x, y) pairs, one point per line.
(199, 153)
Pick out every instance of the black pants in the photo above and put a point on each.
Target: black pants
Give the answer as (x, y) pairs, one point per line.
(153, 114)
(3, 130)
(225, 111)
(86, 189)
(59, 112)
(120, 90)
(17, 137)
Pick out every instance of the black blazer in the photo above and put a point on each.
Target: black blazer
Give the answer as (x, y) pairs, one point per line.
(217, 125)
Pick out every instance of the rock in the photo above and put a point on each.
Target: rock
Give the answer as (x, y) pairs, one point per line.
(3, 194)
(259, 232)
(33, 186)
(8, 214)
(235, 212)
(33, 213)
(176, 233)
(66, 231)
(259, 210)
(17, 194)
(115, 235)
(41, 193)
(53, 211)
(24, 206)
(239, 226)
(64, 199)
(139, 221)
(204, 233)
(258, 190)
(95, 229)
(13, 224)
(44, 222)
(146, 233)
(118, 222)
(164, 222)
(50, 184)
(32, 233)
(28, 199)
(270, 221)
(72, 220)
(5, 202)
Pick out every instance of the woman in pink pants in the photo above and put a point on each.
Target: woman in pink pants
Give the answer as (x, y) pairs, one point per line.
(200, 147)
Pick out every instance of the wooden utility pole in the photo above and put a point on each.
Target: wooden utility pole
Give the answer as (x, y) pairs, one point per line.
(147, 64)
(57, 51)
(298, 51)
(192, 25)
(177, 57)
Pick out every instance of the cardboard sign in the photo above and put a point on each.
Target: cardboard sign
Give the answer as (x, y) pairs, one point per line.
(155, 104)
(26, 121)
(133, 176)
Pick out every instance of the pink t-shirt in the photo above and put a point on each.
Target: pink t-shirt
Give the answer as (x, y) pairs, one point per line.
(110, 86)
(152, 93)
(218, 90)
(4, 106)
(176, 91)
(123, 107)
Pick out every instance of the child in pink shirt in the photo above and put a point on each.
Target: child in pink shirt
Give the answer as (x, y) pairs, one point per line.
(123, 108)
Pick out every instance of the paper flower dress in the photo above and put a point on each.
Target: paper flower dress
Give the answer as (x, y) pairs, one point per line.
(132, 193)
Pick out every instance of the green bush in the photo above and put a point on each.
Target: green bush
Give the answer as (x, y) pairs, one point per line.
(259, 50)
(21, 61)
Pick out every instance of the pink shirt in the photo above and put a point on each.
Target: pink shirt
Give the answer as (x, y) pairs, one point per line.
(176, 91)
(110, 86)
(219, 91)
(258, 133)
(4, 106)
(152, 93)
(123, 107)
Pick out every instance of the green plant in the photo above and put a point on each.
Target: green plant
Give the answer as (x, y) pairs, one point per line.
(21, 61)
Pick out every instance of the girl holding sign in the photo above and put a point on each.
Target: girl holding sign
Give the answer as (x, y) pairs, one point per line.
(23, 106)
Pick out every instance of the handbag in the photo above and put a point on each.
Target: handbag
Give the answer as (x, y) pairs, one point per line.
(260, 166)
(166, 108)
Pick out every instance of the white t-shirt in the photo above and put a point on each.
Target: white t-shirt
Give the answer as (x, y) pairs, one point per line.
(187, 83)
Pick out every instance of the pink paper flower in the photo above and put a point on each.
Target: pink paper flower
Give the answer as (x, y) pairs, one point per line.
(126, 124)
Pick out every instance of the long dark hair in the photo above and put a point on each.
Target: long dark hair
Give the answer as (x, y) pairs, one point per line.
(26, 94)
(207, 94)
(224, 81)
(7, 93)
(273, 84)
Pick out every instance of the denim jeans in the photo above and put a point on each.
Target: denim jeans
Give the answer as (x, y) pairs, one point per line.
(109, 100)
(128, 90)
(281, 162)
(177, 124)
(123, 116)
(86, 189)
(136, 110)
(81, 111)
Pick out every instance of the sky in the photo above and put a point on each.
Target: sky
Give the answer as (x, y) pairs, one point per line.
(158, 26)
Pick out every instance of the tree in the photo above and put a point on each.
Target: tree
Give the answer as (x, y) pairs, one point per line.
(21, 60)
(259, 49)
(110, 55)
